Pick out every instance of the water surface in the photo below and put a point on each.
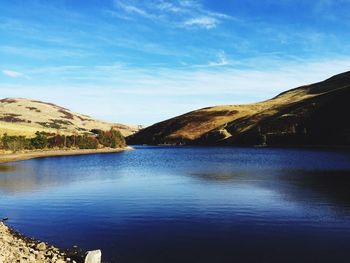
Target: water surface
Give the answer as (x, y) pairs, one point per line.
(168, 204)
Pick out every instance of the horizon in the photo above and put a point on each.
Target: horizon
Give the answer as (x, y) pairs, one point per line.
(141, 62)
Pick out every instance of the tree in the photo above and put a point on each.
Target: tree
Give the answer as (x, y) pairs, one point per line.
(14, 143)
(87, 142)
(112, 138)
(40, 141)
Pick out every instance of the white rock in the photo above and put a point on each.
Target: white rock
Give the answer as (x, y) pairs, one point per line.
(41, 246)
(93, 256)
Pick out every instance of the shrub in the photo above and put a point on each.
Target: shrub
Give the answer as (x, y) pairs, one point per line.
(40, 141)
(87, 142)
(111, 138)
(14, 143)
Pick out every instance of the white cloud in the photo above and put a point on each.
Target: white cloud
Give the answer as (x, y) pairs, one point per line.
(222, 60)
(203, 22)
(173, 13)
(12, 74)
(169, 7)
(134, 9)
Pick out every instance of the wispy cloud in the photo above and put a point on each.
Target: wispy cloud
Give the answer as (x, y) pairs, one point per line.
(182, 13)
(169, 7)
(12, 73)
(132, 9)
(203, 22)
(221, 60)
(40, 53)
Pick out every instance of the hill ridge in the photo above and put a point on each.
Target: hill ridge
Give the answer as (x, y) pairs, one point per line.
(24, 116)
(286, 119)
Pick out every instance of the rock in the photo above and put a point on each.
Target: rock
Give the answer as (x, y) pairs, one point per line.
(41, 246)
(14, 249)
(93, 256)
(40, 256)
(32, 258)
(25, 250)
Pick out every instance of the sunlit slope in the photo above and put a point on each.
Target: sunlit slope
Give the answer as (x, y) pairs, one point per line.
(20, 116)
(312, 114)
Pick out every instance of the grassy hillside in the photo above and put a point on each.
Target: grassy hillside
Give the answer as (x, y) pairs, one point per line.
(20, 116)
(312, 114)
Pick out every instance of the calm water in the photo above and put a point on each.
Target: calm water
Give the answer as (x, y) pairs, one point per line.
(179, 205)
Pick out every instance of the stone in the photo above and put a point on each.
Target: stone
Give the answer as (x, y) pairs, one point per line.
(32, 258)
(93, 256)
(41, 246)
(40, 256)
(25, 250)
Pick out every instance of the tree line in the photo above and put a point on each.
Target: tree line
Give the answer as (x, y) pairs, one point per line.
(43, 140)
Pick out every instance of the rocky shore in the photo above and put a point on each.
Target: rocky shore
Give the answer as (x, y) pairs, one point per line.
(15, 248)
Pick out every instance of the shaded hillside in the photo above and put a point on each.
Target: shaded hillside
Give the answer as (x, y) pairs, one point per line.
(20, 116)
(309, 115)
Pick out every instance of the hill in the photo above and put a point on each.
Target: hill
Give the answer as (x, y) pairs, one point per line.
(20, 116)
(309, 115)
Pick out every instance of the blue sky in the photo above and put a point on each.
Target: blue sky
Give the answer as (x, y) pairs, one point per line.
(140, 62)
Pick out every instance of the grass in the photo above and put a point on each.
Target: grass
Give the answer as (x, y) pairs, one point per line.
(48, 117)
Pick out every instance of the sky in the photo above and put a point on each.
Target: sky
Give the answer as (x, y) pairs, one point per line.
(143, 61)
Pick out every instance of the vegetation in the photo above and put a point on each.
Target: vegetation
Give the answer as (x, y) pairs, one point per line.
(112, 138)
(43, 140)
(23, 117)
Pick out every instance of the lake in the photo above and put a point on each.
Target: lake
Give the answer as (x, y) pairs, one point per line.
(187, 204)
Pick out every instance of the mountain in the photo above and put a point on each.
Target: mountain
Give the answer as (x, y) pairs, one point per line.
(20, 116)
(309, 115)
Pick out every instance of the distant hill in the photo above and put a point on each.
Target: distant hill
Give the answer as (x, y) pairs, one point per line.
(315, 114)
(20, 116)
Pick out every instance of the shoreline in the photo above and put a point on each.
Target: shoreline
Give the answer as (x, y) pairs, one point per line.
(308, 146)
(14, 157)
(15, 247)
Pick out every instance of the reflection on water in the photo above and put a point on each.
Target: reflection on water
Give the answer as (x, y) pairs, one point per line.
(42, 174)
(329, 185)
(18, 178)
(221, 177)
(322, 188)
(165, 204)
(21, 179)
(7, 168)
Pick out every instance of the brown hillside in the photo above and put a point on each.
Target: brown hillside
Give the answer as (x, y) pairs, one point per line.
(20, 116)
(259, 123)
